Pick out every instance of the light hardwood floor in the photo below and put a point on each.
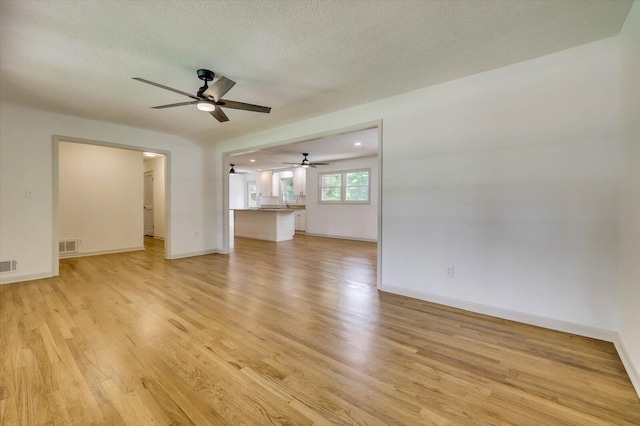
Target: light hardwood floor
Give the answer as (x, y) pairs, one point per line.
(286, 333)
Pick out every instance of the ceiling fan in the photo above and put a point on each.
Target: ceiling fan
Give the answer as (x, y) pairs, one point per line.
(306, 163)
(209, 99)
(232, 170)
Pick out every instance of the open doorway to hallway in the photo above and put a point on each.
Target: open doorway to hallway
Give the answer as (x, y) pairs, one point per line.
(154, 196)
(100, 192)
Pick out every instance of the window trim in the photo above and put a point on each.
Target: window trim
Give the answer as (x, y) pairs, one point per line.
(249, 183)
(282, 191)
(343, 187)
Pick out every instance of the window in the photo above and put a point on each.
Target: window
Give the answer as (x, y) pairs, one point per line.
(286, 189)
(331, 187)
(347, 187)
(357, 186)
(252, 194)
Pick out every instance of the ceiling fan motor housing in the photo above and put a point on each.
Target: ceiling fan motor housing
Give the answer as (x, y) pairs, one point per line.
(206, 75)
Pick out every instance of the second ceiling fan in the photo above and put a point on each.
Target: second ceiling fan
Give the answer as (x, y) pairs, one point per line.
(306, 163)
(209, 99)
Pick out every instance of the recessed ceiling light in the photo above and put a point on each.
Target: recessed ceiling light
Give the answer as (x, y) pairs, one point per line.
(253, 161)
(149, 154)
(358, 143)
(259, 170)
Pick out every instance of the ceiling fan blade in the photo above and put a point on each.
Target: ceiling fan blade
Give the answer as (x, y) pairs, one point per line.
(292, 163)
(219, 115)
(165, 87)
(241, 105)
(219, 88)
(175, 105)
(319, 164)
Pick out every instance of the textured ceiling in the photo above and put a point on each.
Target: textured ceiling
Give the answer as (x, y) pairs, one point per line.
(302, 58)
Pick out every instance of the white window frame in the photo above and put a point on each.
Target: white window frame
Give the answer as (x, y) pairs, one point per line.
(282, 192)
(343, 187)
(249, 183)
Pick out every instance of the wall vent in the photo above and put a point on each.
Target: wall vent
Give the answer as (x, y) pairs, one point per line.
(68, 246)
(8, 266)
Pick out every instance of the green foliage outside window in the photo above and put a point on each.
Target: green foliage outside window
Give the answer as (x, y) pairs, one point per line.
(332, 180)
(331, 187)
(345, 186)
(357, 188)
(287, 190)
(253, 195)
(358, 178)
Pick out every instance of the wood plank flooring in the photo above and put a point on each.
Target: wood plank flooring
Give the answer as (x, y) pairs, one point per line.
(293, 333)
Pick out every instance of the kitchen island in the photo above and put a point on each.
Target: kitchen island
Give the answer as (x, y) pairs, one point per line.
(276, 224)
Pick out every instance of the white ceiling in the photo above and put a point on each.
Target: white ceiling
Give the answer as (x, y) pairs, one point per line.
(327, 149)
(302, 58)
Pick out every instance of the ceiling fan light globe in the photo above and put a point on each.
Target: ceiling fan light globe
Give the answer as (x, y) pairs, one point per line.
(205, 106)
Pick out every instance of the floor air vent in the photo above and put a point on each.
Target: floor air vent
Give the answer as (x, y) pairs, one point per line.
(68, 246)
(8, 266)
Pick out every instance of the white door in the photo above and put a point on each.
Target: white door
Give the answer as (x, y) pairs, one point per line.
(148, 204)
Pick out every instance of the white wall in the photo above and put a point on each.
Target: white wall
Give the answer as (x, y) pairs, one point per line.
(359, 221)
(157, 166)
(511, 176)
(100, 193)
(26, 162)
(629, 232)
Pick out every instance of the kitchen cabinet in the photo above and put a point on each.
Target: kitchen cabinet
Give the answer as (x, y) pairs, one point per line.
(299, 181)
(301, 220)
(264, 183)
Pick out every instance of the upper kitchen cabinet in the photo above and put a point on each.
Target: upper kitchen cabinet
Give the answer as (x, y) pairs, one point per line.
(265, 186)
(300, 181)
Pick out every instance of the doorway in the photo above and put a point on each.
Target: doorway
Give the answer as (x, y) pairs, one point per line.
(347, 163)
(154, 195)
(148, 204)
(100, 197)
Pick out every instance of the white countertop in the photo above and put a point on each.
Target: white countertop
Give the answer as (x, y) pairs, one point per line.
(284, 210)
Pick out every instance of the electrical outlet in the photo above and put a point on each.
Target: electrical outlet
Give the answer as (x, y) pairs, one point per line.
(450, 271)
(79, 241)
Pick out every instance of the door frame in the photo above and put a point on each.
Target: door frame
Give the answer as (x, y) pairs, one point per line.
(56, 139)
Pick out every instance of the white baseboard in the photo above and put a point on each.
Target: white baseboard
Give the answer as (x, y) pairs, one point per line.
(99, 252)
(340, 237)
(568, 327)
(632, 369)
(553, 324)
(21, 278)
(194, 253)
